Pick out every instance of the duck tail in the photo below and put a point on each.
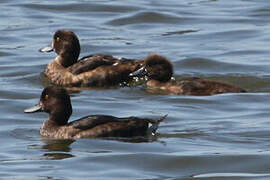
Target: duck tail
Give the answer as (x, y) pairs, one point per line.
(153, 125)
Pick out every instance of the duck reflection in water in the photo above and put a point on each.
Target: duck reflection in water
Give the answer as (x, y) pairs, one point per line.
(57, 149)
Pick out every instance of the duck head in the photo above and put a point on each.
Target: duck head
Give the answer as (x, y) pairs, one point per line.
(66, 45)
(155, 67)
(56, 102)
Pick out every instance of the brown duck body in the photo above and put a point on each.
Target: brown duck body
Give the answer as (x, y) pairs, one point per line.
(159, 71)
(56, 102)
(193, 86)
(93, 70)
(128, 127)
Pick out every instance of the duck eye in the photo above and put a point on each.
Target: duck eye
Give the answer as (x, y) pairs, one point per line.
(46, 96)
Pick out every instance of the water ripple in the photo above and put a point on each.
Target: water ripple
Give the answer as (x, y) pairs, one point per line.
(224, 136)
(146, 17)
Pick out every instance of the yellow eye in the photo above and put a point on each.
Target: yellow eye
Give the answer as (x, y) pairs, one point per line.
(46, 96)
(57, 39)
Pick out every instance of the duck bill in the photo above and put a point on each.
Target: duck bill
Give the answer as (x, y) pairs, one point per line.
(139, 73)
(46, 49)
(36, 108)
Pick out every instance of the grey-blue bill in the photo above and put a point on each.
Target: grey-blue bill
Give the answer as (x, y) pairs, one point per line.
(33, 109)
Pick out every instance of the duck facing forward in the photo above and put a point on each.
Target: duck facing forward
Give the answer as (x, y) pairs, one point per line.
(56, 102)
(159, 71)
(93, 70)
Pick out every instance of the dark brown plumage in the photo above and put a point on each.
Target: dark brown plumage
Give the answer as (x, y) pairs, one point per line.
(94, 70)
(56, 102)
(159, 70)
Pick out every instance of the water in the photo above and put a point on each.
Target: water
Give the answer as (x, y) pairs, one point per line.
(212, 137)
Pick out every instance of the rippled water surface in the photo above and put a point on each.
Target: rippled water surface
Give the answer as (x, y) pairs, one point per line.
(212, 137)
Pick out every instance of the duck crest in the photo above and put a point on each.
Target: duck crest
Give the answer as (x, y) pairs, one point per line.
(159, 68)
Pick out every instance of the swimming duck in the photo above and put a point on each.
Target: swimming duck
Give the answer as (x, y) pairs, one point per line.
(93, 70)
(56, 102)
(159, 71)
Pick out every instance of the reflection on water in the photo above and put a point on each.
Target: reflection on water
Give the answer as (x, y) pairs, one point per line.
(57, 156)
(57, 145)
(213, 137)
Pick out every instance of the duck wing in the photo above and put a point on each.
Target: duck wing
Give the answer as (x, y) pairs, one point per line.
(91, 62)
(91, 121)
(110, 126)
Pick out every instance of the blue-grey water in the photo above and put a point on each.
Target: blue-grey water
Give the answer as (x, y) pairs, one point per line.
(224, 137)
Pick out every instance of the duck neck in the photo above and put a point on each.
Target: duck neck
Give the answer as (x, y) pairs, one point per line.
(49, 125)
(60, 118)
(66, 60)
